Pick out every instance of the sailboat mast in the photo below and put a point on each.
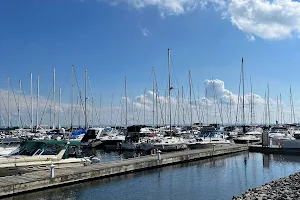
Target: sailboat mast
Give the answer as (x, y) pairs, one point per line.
(19, 117)
(145, 106)
(85, 99)
(100, 109)
(54, 100)
(215, 106)
(183, 103)
(191, 98)
(31, 97)
(251, 103)
(206, 105)
(125, 85)
(178, 107)
(243, 85)
(281, 109)
(153, 101)
(169, 90)
(37, 102)
(72, 96)
(269, 114)
(8, 106)
(59, 108)
(277, 110)
(292, 107)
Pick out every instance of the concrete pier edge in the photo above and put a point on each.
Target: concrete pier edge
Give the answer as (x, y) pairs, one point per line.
(39, 180)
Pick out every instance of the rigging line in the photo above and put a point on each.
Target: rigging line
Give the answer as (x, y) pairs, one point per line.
(173, 69)
(46, 106)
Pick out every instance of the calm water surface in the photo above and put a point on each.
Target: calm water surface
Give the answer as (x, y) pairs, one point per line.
(216, 178)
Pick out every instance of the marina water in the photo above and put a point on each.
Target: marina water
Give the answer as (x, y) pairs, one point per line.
(216, 178)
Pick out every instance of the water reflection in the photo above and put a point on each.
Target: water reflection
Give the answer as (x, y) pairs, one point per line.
(266, 160)
(215, 178)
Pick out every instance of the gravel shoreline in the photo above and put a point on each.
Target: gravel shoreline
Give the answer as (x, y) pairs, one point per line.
(287, 188)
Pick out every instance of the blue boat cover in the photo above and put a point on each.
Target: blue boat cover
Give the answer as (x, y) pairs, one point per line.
(79, 132)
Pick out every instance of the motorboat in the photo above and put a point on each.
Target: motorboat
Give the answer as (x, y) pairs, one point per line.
(8, 145)
(43, 153)
(169, 143)
(209, 138)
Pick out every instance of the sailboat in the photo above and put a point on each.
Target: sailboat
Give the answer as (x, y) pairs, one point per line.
(245, 138)
(169, 143)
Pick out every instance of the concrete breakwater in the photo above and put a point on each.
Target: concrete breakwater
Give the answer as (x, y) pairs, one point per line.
(11, 185)
(284, 188)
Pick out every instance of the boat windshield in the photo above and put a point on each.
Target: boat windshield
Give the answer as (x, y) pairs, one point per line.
(35, 150)
(210, 134)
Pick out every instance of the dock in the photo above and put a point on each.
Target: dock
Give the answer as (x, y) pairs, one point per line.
(37, 180)
(274, 149)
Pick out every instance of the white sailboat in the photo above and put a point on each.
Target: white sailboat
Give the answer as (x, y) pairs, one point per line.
(169, 143)
(245, 138)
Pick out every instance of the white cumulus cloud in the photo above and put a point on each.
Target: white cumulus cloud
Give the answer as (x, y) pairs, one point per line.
(266, 19)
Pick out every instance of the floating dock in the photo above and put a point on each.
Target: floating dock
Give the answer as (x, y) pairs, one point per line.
(17, 184)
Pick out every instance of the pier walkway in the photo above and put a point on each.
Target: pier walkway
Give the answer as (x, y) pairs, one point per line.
(11, 185)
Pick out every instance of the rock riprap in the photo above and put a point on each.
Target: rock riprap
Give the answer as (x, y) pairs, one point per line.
(287, 188)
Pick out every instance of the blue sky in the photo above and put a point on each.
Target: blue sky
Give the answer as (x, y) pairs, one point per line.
(128, 38)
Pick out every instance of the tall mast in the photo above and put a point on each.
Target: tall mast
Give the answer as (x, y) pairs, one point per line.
(230, 109)
(215, 101)
(100, 109)
(59, 107)
(153, 101)
(8, 106)
(31, 97)
(182, 102)
(93, 106)
(281, 109)
(145, 106)
(37, 102)
(243, 116)
(54, 103)
(132, 106)
(206, 106)
(165, 106)
(111, 107)
(292, 107)
(266, 109)
(125, 102)
(19, 117)
(72, 94)
(251, 103)
(169, 90)
(85, 99)
(191, 98)
(79, 108)
(277, 110)
(156, 103)
(269, 114)
(178, 107)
